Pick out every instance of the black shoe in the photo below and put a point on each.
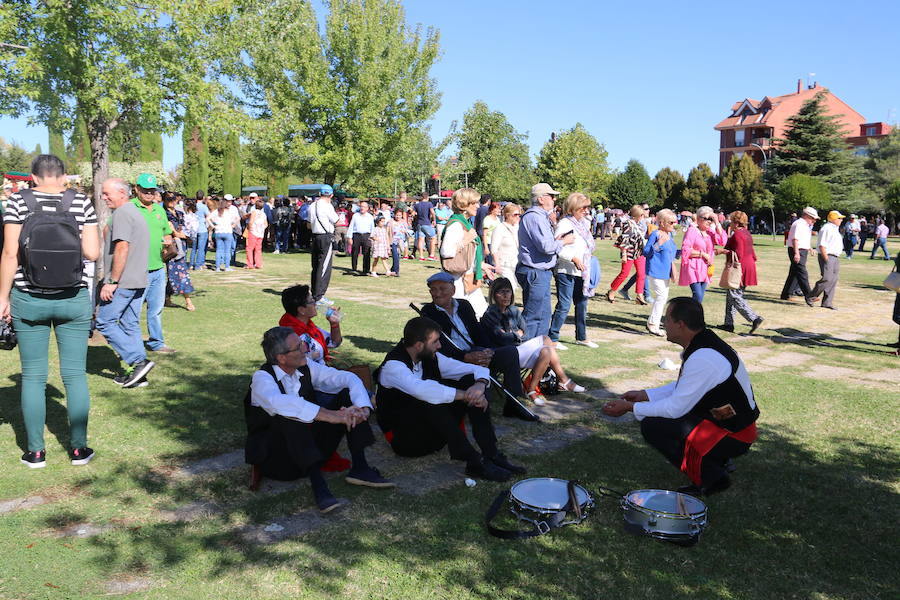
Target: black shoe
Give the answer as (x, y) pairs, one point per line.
(728, 328)
(501, 461)
(35, 460)
(811, 302)
(368, 477)
(756, 323)
(138, 372)
(690, 490)
(830, 307)
(327, 504)
(486, 469)
(729, 466)
(511, 409)
(720, 485)
(81, 456)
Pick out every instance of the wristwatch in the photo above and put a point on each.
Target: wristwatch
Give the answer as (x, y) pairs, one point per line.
(111, 282)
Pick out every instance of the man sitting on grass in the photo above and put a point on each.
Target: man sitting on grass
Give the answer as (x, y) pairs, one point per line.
(423, 397)
(705, 418)
(289, 434)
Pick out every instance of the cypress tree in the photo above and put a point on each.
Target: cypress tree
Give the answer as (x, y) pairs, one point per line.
(231, 165)
(195, 168)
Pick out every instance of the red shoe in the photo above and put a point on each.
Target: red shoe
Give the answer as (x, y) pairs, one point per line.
(335, 464)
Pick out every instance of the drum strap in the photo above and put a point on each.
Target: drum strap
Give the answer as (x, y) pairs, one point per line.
(551, 523)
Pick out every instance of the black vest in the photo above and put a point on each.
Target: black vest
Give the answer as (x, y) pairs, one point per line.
(256, 447)
(391, 402)
(727, 392)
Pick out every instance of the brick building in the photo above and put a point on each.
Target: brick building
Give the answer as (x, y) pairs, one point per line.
(753, 124)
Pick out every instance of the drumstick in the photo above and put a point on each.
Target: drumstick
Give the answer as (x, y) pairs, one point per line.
(681, 508)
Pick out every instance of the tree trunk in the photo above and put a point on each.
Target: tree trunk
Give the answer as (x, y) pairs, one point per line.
(98, 134)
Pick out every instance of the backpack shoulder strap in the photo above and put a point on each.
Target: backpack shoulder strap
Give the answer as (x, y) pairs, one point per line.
(28, 198)
(65, 203)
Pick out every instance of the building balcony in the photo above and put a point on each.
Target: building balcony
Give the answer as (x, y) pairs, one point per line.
(764, 142)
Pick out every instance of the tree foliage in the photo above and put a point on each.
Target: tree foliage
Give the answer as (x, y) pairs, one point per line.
(798, 191)
(575, 162)
(741, 182)
(231, 165)
(14, 157)
(697, 189)
(883, 162)
(632, 186)
(494, 154)
(340, 106)
(815, 145)
(194, 175)
(669, 185)
(892, 197)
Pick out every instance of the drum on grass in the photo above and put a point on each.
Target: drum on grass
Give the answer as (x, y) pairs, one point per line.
(665, 515)
(546, 502)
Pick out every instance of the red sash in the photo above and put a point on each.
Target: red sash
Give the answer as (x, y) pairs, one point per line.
(308, 328)
(704, 438)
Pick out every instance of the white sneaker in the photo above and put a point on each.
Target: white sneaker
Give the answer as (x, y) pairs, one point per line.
(276, 252)
(587, 343)
(655, 330)
(561, 346)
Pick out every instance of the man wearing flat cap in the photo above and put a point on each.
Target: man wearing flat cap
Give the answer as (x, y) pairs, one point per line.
(798, 242)
(830, 246)
(538, 248)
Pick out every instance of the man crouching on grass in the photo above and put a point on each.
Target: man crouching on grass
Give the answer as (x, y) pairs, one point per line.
(289, 435)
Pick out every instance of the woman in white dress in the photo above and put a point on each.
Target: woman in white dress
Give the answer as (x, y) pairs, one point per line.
(505, 243)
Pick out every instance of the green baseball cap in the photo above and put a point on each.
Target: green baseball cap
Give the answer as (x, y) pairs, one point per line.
(146, 181)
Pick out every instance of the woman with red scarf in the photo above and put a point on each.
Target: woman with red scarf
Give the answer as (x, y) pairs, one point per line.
(299, 310)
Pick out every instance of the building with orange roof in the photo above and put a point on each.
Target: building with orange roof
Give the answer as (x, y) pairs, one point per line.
(753, 124)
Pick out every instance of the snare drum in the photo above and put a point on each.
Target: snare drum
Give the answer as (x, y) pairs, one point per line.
(544, 502)
(665, 515)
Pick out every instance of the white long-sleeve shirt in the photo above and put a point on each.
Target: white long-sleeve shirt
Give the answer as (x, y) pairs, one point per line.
(396, 375)
(265, 394)
(322, 216)
(701, 372)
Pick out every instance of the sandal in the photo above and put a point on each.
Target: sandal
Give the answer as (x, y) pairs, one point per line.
(611, 296)
(571, 386)
(537, 397)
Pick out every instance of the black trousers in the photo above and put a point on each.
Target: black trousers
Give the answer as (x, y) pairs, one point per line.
(322, 255)
(506, 361)
(295, 447)
(797, 275)
(425, 428)
(668, 437)
(361, 243)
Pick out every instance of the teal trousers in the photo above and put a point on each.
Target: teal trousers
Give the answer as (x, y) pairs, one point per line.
(69, 315)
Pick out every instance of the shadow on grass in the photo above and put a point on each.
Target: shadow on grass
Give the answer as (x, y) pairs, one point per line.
(57, 419)
(788, 335)
(794, 517)
(371, 344)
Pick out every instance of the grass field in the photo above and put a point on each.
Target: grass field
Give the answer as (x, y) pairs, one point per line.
(163, 511)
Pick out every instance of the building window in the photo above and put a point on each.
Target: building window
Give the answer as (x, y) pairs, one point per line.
(871, 131)
(739, 137)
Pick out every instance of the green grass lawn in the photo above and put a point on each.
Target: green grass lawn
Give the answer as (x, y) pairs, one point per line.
(813, 512)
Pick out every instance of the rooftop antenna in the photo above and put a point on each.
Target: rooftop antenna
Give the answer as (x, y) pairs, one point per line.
(809, 76)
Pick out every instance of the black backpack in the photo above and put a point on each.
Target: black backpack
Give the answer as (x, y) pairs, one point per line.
(50, 244)
(283, 216)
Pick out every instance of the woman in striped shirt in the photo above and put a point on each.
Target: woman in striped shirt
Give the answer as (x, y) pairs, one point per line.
(34, 311)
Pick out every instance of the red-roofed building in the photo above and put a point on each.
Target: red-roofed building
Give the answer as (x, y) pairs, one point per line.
(753, 124)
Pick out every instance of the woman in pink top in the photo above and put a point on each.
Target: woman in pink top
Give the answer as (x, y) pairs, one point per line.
(698, 249)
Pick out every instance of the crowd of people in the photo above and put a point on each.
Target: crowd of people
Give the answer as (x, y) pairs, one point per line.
(300, 406)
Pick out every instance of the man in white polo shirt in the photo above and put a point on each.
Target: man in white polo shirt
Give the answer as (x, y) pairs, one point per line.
(830, 247)
(798, 242)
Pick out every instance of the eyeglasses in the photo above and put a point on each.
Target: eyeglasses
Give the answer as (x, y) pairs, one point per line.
(292, 350)
(505, 292)
(708, 218)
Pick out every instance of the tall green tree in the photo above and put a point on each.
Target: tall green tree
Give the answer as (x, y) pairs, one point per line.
(574, 161)
(697, 189)
(814, 144)
(93, 58)
(14, 158)
(231, 165)
(339, 105)
(195, 166)
(797, 191)
(741, 181)
(669, 187)
(495, 154)
(883, 162)
(632, 186)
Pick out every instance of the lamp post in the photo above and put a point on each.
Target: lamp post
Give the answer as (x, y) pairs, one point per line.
(765, 164)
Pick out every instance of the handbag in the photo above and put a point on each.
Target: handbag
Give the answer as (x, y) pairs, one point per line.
(892, 281)
(169, 251)
(731, 274)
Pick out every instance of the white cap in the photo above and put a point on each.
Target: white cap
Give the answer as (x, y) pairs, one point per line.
(229, 197)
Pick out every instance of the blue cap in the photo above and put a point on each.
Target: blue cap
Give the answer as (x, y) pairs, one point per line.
(441, 276)
(326, 190)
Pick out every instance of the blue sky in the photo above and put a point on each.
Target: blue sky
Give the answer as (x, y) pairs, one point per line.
(649, 79)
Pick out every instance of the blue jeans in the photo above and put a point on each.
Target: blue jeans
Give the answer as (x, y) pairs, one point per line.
(395, 258)
(119, 320)
(850, 243)
(155, 297)
(569, 287)
(223, 249)
(881, 243)
(282, 238)
(535, 285)
(198, 253)
(698, 290)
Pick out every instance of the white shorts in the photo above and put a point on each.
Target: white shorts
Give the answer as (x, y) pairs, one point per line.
(529, 351)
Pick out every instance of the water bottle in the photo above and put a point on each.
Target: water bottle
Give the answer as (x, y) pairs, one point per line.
(333, 314)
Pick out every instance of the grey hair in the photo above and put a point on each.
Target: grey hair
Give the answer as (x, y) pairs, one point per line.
(120, 184)
(704, 211)
(274, 342)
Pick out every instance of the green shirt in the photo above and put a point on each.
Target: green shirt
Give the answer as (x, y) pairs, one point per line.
(158, 226)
